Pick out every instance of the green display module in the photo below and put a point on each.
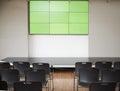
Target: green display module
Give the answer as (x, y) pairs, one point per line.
(59, 28)
(39, 29)
(58, 17)
(78, 28)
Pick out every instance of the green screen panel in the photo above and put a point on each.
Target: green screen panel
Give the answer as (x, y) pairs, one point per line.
(78, 28)
(39, 28)
(58, 28)
(39, 17)
(39, 6)
(77, 6)
(78, 18)
(59, 6)
(59, 17)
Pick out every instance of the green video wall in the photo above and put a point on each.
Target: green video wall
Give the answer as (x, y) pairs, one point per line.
(58, 17)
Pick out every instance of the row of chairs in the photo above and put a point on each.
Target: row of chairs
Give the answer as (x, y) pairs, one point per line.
(37, 86)
(91, 75)
(21, 66)
(12, 76)
(40, 72)
(21, 86)
(102, 73)
(101, 65)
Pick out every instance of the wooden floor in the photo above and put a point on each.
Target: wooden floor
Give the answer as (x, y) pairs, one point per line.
(64, 80)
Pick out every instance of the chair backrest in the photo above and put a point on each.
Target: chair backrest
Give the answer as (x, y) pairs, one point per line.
(4, 65)
(32, 86)
(35, 75)
(102, 87)
(10, 76)
(79, 65)
(108, 75)
(117, 75)
(103, 65)
(36, 65)
(88, 75)
(21, 67)
(42, 66)
(117, 65)
(3, 85)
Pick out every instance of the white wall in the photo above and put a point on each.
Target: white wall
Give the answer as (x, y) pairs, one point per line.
(13, 28)
(58, 46)
(104, 28)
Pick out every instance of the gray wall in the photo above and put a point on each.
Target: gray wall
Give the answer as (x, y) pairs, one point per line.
(13, 28)
(104, 28)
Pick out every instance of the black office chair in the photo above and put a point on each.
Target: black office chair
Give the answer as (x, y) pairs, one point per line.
(31, 86)
(79, 65)
(5, 65)
(102, 87)
(87, 76)
(36, 75)
(10, 76)
(3, 85)
(117, 65)
(21, 67)
(46, 68)
(43, 66)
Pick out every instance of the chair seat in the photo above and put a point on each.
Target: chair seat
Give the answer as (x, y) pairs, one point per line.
(31, 86)
(102, 87)
(3, 86)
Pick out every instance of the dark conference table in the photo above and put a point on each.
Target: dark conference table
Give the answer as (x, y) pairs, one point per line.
(65, 62)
